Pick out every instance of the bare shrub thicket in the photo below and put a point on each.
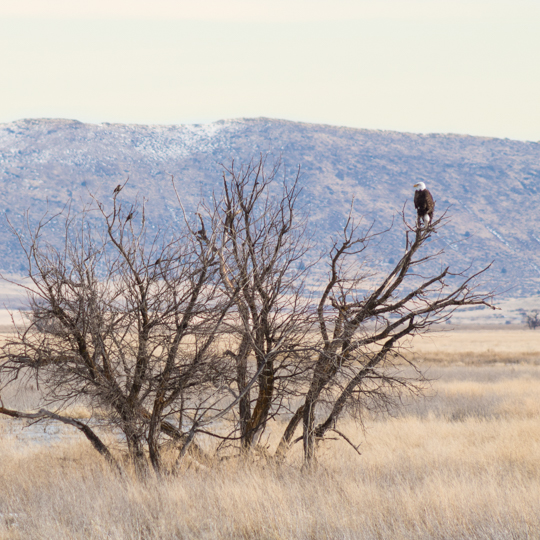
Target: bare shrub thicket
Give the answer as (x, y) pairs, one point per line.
(124, 319)
(210, 330)
(532, 319)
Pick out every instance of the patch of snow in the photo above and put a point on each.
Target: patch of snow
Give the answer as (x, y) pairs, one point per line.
(499, 236)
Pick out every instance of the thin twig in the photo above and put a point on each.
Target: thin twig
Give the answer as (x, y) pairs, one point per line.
(348, 440)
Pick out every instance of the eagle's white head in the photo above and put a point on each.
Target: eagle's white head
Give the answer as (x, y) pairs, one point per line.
(420, 185)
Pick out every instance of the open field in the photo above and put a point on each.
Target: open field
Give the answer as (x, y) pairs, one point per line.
(474, 344)
(463, 463)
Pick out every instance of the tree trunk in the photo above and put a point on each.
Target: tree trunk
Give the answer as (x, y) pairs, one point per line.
(244, 406)
(263, 404)
(285, 442)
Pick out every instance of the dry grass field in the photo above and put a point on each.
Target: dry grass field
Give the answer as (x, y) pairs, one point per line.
(463, 463)
(478, 345)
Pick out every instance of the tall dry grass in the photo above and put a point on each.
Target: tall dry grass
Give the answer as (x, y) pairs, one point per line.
(463, 464)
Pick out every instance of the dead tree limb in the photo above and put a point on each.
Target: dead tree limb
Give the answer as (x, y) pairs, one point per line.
(88, 432)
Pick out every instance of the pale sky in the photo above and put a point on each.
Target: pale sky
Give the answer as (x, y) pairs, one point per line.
(423, 66)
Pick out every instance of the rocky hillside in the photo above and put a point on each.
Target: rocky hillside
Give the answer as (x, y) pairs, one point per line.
(490, 187)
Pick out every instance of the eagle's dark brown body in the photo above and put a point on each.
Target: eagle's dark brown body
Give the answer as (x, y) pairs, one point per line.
(424, 204)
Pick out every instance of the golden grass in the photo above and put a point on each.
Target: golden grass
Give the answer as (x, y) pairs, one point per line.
(477, 345)
(463, 464)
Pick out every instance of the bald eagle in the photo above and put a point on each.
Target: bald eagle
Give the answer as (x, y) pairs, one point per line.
(424, 204)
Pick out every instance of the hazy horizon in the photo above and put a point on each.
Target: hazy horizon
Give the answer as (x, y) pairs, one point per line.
(417, 66)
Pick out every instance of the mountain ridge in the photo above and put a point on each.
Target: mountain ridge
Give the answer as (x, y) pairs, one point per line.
(257, 119)
(491, 185)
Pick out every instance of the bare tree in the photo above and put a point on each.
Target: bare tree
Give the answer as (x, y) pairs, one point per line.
(532, 319)
(259, 237)
(361, 326)
(123, 318)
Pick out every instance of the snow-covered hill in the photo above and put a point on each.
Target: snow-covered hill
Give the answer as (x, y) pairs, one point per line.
(491, 187)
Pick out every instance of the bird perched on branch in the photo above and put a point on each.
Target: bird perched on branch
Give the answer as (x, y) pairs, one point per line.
(130, 216)
(424, 204)
(201, 233)
(117, 189)
(229, 220)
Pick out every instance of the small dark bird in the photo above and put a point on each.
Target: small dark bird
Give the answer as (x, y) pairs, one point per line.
(424, 204)
(130, 216)
(202, 235)
(157, 262)
(117, 189)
